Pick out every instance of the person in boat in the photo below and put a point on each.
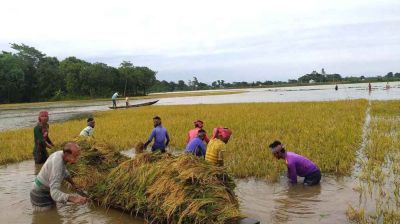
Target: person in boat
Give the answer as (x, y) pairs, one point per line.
(127, 101)
(217, 146)
(196, 146)
(160, 136)
(114, 99)
(46, 189)
(297, 165)
(198, 125)
(88, 131)
(41, 138)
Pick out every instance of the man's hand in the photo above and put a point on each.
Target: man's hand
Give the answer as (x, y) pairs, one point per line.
(76, 199)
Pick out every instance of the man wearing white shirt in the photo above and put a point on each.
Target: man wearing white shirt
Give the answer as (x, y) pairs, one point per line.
(88, 131)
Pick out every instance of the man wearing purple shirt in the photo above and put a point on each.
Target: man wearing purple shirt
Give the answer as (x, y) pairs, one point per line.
(196, 145)
(297, 165)
(159, 134)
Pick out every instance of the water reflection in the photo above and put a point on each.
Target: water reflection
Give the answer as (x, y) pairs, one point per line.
(283, 203)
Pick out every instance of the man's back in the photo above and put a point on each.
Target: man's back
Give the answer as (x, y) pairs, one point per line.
(299, 164)
(196, 147)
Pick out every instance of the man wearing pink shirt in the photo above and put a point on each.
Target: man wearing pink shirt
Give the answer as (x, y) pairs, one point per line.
(198, 125)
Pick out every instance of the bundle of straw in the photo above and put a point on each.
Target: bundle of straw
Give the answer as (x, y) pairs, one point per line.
(162, 188)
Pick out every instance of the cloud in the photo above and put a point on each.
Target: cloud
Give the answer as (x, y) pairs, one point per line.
(231, 40)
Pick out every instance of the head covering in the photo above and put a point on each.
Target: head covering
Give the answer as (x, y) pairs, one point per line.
(198, 124)
(222, 132)
(43, 114)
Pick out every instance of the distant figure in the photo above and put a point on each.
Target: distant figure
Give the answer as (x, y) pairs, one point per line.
(46, 189)
(387, 86)
(297, 165)
(127, 101)
(160, 135)
(42, 139)
(114, 98)
(196, 145)
(336, 87)
(198, 125)
(369, 87)
(88, 131)
(217, 146)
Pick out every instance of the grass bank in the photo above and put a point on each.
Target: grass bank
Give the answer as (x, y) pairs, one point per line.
(327, 132)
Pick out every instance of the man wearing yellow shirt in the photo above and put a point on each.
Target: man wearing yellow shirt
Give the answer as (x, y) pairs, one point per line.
(217, 146)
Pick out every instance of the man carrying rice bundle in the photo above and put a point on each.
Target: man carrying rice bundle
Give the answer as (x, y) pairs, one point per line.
(297, 165)
(46, 187)
(160, 136)
(217, 146)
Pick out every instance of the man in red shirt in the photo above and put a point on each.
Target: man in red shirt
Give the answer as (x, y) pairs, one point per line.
(198, 125)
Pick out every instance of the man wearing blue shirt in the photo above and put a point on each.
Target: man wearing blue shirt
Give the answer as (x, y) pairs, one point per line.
(196, 145)
(160, 136)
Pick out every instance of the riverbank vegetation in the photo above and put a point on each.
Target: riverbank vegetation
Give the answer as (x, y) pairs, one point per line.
(29, 75)
(329, 133)
(378, 183)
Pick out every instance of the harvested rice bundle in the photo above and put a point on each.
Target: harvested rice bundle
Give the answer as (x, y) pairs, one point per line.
(170, 189)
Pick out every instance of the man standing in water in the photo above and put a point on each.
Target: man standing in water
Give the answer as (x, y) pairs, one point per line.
(114, 98)
(42, 139)
(159, 134)
(217, 146)
(88, 131)
(46, 187)
(297, 165)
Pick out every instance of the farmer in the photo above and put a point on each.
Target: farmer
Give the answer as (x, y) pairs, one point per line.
(88, 131)
(217, 145)
(42, 139)
(193, 133)
(46, 187)
(196, 145)
(127, 101)
(297, 165)
(114, 98)
(160, 135)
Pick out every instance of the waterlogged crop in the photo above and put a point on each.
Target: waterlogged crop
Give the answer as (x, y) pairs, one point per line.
(379, 178)
(328, 133)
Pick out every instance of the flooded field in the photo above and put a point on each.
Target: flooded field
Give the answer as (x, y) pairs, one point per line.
(25, 116)
(268, 202)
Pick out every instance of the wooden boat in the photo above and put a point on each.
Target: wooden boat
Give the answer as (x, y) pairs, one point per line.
(136, 105)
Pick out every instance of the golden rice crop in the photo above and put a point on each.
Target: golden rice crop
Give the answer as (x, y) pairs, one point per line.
(379, 178)
(329, 133)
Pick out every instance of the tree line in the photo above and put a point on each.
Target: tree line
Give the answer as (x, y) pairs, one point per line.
(29, 75)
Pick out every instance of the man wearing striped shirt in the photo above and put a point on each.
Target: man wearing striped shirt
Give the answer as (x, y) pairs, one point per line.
(217, 146)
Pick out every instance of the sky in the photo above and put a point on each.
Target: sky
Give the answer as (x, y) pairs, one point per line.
(229, 40)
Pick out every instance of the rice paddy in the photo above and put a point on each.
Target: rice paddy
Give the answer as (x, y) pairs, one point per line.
(329, 133)
(379, 178)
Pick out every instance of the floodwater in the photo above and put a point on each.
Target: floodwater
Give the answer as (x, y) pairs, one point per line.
(268, 202)
(15, 206)
(25, 116)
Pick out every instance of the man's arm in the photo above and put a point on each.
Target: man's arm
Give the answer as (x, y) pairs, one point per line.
(203, 149)
(167, 136)
(152, 135)
(292, 173)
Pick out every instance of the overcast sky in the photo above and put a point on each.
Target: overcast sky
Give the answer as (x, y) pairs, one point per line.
(214, 39)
